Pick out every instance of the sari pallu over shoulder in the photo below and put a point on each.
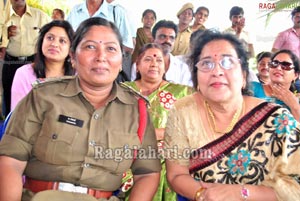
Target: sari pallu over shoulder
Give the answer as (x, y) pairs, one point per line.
(219, 148)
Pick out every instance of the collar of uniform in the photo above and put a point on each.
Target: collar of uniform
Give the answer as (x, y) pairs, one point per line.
(81, 7)
(73, 88)
(202, 27)
(103, 9)
(232, 30)
(188, 29)
(123, 94)
(293, 30)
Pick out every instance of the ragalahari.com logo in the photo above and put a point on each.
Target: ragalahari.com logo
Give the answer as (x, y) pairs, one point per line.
(272, 5)
(266, 6)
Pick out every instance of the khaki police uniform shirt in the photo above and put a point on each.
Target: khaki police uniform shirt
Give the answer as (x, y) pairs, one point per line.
(182, 42)
(64, 138)
(28, 27)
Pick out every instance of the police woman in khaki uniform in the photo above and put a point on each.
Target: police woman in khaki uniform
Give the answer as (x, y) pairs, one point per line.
(80, 133)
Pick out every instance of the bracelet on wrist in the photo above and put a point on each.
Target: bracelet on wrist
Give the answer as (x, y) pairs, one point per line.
(245, 192)
(198, 193)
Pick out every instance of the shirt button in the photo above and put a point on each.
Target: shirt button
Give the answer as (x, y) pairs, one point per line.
(96, 116)
(86, 165)
(54, 136)
(92, 143)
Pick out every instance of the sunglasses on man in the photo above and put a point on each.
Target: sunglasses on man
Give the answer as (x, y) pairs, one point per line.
(287, 66)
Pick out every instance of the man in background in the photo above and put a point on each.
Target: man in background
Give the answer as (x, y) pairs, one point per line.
(4, 8)
(58, 14)
(20, 31)
(290, 38)
(182, 42)
(236, 16)
(101, 8)
(114, 13)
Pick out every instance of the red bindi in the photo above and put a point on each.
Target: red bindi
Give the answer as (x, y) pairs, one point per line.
(154, 55)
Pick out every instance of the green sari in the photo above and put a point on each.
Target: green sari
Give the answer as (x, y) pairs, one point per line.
(161, 101)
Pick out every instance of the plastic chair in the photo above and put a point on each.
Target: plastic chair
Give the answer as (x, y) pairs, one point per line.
(2, 131)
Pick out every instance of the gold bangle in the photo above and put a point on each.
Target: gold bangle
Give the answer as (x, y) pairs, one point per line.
(198, 193)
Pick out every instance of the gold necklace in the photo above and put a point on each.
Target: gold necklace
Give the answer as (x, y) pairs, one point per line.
(234, 119)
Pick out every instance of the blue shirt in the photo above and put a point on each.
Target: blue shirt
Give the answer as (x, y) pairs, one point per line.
(80, 13)
(258, 92)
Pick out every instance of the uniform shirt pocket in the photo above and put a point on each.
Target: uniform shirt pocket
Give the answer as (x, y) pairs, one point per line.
(119, 155)
(55, 144)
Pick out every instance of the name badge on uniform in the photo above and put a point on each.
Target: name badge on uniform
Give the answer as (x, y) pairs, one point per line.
(70, 120)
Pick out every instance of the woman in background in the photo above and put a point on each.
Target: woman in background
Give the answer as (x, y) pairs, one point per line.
(144, 34)
(161, 95)
(263, 59)
(284, 70)
(51, 60)
(58, 14)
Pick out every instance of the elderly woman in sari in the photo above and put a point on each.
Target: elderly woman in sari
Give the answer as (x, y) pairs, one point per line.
(161, 94)
(220, 143)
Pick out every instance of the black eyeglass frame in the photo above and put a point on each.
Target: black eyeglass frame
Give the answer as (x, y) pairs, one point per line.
(287, 66)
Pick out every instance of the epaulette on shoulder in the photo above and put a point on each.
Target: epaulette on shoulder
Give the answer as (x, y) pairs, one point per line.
(45, 81)
(134, 92)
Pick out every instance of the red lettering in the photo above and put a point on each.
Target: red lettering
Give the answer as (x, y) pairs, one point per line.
(267, 5)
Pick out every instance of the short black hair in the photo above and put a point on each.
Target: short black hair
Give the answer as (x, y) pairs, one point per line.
(236, 10)
(296, 10)
(62, 13)
(202, 8)
(149, 11)
(262, 55)
(166, 24)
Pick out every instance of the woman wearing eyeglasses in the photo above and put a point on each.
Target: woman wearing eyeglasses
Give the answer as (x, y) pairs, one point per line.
(283, 71)
(222, 144)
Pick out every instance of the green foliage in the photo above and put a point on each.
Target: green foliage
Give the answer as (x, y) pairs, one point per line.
(48, 5)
